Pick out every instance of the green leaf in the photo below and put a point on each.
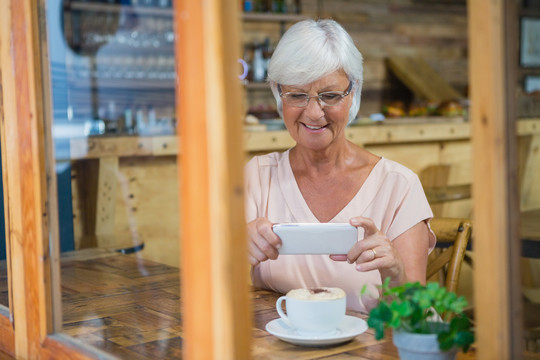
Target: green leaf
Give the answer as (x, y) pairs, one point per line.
(363, 291)
(416, 317)
(464, 339)
(379, 330)
(460, 323)
(401, 308)
(446, 341)
(385, 313)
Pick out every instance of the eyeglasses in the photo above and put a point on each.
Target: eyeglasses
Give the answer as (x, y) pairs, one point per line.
(329, 98)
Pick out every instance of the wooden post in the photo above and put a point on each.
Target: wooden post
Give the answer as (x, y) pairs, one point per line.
(497, 290)
(216, 310)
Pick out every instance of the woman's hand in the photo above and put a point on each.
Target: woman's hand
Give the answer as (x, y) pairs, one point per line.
(375, 252)
(404, 259)
(262, 241)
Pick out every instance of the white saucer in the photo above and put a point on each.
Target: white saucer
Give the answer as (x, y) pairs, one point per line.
(349, 328)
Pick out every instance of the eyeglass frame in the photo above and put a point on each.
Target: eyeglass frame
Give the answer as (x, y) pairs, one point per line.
(343, 94)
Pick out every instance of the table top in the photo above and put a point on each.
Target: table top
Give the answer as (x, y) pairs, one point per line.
(130, 307)
(363, 346)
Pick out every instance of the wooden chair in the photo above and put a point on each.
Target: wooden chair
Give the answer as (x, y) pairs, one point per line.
(531, 326)
(435, 180)
(453, 235)
(442, 194)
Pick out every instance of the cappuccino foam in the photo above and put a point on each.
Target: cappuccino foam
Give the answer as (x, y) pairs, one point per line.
(322, 293)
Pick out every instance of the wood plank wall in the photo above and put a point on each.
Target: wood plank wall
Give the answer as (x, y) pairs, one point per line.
(435, 31)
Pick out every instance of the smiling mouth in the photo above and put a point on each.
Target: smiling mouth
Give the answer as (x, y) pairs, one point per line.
(313, 127)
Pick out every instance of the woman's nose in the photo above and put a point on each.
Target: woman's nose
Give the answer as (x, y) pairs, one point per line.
(314, 108)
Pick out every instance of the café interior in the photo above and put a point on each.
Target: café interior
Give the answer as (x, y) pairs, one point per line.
(125, 127)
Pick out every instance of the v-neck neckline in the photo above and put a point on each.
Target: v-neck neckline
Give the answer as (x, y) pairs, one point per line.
(300, 209)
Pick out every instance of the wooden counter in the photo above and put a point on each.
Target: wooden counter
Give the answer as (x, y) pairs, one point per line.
(394, 131)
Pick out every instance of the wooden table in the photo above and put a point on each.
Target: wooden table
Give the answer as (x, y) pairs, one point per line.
(130, 307)
(364, 346)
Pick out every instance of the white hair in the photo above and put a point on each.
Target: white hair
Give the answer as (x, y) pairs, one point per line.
(310, 50)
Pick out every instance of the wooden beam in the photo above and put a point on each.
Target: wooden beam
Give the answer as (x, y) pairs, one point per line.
(492, 66)
(421, 79)
(216, 310)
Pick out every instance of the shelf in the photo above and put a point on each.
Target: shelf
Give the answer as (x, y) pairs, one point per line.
(130, 84)
(100, 7)
(168, 12)
(257, 86)
(273, 17)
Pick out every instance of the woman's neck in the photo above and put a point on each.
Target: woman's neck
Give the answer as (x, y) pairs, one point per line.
(325, 161)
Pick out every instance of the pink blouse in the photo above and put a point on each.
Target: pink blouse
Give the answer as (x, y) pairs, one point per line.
(392, 196)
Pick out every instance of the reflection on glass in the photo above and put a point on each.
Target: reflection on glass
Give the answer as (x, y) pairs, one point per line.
(4, 299)
(114, 123)
(529, 172)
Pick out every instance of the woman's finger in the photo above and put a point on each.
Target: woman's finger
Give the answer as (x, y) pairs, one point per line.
(266, 248)
(263, 242)
(362, 246)
(367, 224)
(338, 257)
(256, 253)
(264, 229)
(374, 264)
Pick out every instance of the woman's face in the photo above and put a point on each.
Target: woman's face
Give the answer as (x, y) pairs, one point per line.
(317, 126)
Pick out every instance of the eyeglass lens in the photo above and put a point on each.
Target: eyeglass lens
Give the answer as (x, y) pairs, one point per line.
(330, 98)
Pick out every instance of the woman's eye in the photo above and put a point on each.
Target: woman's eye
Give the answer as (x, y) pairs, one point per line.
(330, 96)
(298, 96)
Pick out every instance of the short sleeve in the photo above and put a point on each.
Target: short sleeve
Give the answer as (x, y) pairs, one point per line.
(412, 209)
(252, 186)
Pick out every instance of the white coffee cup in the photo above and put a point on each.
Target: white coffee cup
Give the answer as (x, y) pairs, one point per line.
(313, 311)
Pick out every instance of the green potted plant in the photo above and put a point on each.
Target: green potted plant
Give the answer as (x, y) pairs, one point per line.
(427, 320)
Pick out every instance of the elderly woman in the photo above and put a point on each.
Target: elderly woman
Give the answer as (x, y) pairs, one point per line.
(316, 76)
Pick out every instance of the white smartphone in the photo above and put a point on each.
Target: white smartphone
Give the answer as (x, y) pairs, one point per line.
(316, 238)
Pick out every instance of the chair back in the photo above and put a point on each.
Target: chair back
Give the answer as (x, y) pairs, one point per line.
(440, 194)
(453, 235)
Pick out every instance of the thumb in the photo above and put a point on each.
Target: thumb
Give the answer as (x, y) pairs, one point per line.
(367, 224)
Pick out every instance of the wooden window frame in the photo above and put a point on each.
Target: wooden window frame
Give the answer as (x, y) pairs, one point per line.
(212, 159)
(211, 143)
(492, 77)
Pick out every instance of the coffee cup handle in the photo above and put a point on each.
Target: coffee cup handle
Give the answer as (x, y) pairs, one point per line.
(279, 309)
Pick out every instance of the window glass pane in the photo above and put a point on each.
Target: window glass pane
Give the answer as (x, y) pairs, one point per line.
(113, 77)
(528, 104)
(3, 262)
